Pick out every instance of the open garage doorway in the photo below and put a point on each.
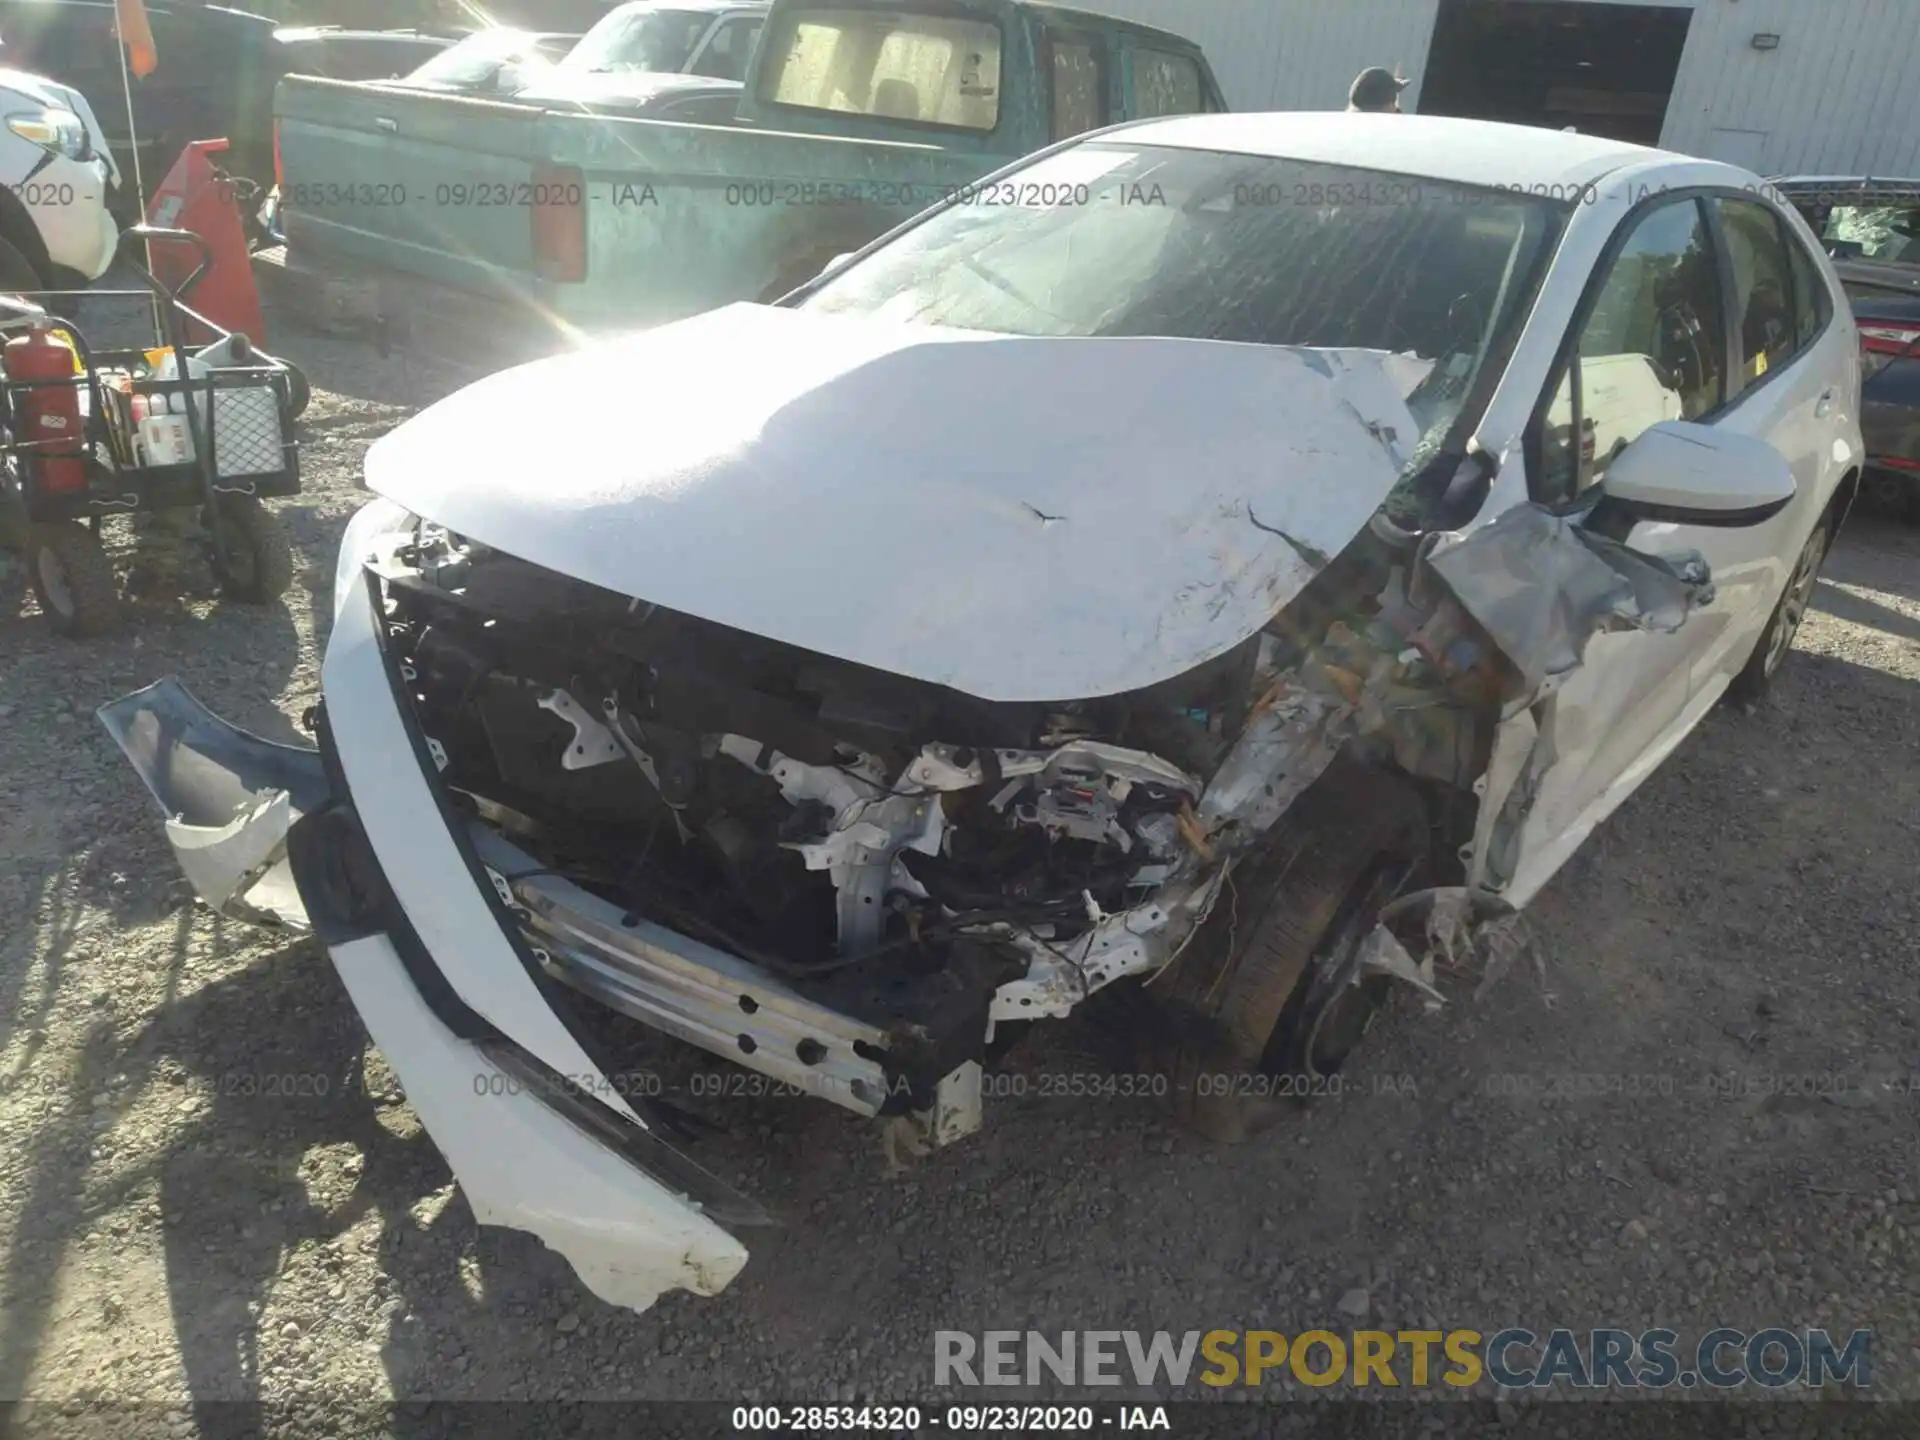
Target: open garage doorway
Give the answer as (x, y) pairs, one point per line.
(1604, 69)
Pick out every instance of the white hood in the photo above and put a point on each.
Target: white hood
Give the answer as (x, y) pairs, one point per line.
(1020, 519)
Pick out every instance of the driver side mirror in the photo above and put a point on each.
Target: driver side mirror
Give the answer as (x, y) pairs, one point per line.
(1690, 474)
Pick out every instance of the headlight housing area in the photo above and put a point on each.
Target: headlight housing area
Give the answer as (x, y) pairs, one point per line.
(372, 536)
(60, 131)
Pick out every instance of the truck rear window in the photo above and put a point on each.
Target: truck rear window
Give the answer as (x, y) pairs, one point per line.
(923, 69)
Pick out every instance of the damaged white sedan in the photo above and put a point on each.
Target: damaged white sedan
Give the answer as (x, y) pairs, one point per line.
(1260, 560)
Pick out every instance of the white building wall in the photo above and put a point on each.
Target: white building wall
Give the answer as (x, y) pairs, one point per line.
(1841, 94)
(1294, 54)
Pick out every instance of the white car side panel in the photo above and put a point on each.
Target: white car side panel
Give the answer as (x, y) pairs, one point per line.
(627, 1237)
(68, 202)
(1639, 695)
(1550, 837)
(424, 866)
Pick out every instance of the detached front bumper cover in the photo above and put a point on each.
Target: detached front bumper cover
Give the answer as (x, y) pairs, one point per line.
(269, 832)
(228, 798)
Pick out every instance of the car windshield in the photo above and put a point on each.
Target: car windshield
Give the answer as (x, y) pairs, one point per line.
(477, 59)
(1108, 239)
(1887, 232)
(639, 37)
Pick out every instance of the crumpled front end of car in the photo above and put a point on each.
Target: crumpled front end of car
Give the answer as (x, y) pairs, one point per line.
(539, 803)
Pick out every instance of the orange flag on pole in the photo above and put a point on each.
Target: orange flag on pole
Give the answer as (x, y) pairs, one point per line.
(130, 19)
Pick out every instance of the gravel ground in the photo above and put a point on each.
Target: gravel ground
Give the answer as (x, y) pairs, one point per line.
(174, 1223)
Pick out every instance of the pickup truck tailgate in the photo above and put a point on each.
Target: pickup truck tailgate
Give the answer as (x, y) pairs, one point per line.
(435, 184)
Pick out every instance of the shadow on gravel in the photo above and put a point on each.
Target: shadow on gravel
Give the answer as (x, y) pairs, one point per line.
(76, 858)
(301, 1155)
(349, 367)
(1830, 599)
(278, 1153)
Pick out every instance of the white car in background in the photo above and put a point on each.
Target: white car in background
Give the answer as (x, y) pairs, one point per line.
(55, 170)
(1183, 569)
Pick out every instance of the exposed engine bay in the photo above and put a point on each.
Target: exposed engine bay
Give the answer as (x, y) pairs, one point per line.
(923, 861)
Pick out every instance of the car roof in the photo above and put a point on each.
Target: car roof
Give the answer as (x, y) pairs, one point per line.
(1467, 152)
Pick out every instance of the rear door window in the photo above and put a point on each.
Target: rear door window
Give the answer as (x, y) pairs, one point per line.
(1079, 85)
(1812, 301)
(1164, 84)
(1763, 311)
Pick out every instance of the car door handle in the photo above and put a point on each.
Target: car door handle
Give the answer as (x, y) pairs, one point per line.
(382, 122)
(1824, 406)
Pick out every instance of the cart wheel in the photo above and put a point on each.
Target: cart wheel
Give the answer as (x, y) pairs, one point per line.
(253, 545)
(74, 579)
(298, 392)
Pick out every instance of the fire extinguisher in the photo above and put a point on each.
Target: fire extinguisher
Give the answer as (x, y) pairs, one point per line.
(48, 415)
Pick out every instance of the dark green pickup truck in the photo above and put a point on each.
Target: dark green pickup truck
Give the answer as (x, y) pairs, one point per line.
(551, 223)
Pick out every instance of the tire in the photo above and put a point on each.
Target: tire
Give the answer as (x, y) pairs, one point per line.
(299, 392)
(73, 579)
(253, 544)
(17, 273)
(1256, 1017)
(1755, 679)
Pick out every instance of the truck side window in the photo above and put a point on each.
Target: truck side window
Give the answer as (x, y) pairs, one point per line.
(1652, 348)
(1165, 84)
(1079, 87)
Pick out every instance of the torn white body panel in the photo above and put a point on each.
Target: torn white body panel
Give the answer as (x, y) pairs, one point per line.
(628, 1238)
(1543, 586)
(422, 857)
(1019, 519)
(228, 798)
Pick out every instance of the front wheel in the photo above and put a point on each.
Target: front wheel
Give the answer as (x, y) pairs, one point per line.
(1783, 626)
(1265, 1002)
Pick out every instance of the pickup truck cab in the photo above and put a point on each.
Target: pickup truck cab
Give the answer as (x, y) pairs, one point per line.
(545, 222)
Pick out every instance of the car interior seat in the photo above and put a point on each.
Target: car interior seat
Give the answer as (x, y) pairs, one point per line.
(897, 100)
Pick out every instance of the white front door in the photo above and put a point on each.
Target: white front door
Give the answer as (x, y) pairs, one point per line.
(1676, 330)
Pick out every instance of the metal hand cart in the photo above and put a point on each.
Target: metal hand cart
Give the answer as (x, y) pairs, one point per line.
(226, 442)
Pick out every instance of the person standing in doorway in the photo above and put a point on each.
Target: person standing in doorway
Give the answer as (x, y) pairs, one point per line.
(1377, 91)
